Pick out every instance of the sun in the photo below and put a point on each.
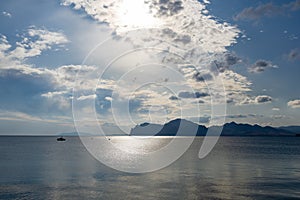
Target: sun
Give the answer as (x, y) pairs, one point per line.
(135, 14)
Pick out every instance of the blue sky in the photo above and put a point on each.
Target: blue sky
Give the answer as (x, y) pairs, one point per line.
(192, 58)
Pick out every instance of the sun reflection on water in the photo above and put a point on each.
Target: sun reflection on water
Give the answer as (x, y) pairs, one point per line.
(139, 145)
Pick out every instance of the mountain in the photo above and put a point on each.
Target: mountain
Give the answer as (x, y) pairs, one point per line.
(182, 127)
(71, 134)
(68, 134)
(234, 129)
(174, 127)
(294, 129)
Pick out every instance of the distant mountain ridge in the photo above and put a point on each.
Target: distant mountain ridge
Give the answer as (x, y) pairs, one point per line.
(182, 127)
(70, 134)
(294, 129)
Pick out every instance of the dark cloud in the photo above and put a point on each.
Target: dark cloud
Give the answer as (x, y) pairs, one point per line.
(73, 70)
(165, 7)
(257, 100)
(201, 76)
(226, 61)
(263, 99)
(236, 116)
(294, 55)
(242, 116)
(201, 101)
(261, 65)
(231, 59)
(230, 100)
(175, 37)
(267, 10)
(186, 94)
(173, 98)
(169, 32)
(184, 39)
(206, 119)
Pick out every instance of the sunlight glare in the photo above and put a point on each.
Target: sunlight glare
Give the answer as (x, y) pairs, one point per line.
(135, 14)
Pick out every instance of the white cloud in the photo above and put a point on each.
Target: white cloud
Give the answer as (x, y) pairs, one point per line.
(88, 97)
(181, 28)
(263, 99)
(45, 90)
(108, 98)
(35, 41)
(79, 76)
(279, 116)
(53, 94)
(260, 99)
(294, 103)
(236, 86)
(206, 1)
(32, 43)
(6, 14)
(261, 65)
(6, 115)
(180, 23)
(4, 46)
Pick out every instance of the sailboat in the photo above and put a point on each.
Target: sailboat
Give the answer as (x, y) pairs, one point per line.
(60, 139)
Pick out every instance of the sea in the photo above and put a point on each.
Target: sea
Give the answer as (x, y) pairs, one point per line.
(237, 168)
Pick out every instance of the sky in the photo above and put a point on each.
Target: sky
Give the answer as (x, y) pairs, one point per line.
(82, 64)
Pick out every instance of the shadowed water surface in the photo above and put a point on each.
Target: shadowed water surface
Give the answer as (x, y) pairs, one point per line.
(237, 168)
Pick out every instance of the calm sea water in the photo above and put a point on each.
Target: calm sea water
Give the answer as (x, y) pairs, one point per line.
(237, 168)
